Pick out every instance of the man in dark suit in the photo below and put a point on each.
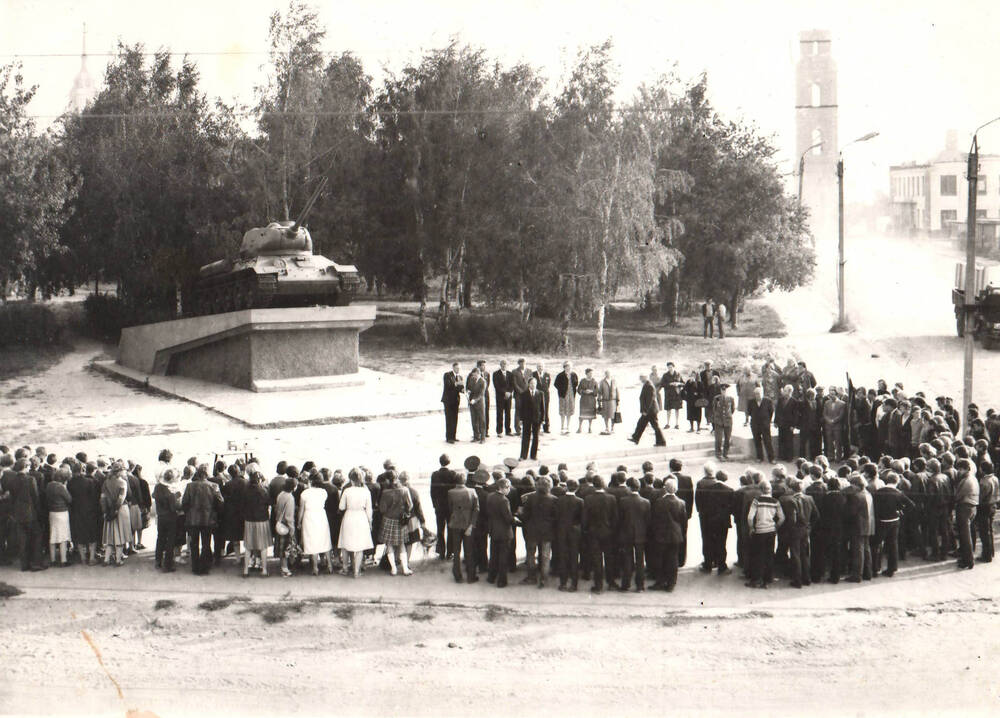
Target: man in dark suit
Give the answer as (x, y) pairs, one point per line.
(714, 501)
(810, 426)
(520, 377)
(761, 409)
(744, 497)
(501, 523)
(450, 397)
(532, 406)
(668, 529)
(685, 492)
(481, 365)
(786, 417)
(25, 508)
(476, 390)
(544, 380)
(598, 524)
(633, 531)
(538, 516)
(818, 536)
(856, 520)
(831, 523)
(801, 522)
(569, 514)
(890, 503)
(503, 386)
(649, 407)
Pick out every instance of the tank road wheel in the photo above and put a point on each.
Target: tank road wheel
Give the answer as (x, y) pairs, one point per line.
(960, 323)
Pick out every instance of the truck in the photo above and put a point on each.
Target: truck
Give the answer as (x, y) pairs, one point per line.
(985, 306)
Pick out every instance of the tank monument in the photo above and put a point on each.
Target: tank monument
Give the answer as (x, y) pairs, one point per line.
(274, 317)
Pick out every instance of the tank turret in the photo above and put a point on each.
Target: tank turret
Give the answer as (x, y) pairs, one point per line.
(275, 267)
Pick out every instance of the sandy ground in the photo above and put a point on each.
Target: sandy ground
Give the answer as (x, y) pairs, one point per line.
(923, 643)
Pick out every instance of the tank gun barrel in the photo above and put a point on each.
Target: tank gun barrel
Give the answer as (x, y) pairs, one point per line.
(293, 230)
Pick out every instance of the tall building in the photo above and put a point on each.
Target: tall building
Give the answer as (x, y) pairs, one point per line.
(84, 89)
(816, 130)
(931, 198)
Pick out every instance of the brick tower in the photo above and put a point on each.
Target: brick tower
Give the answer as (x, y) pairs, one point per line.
(816, 122)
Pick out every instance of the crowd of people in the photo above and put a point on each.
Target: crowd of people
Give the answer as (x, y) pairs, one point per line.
(888, 479)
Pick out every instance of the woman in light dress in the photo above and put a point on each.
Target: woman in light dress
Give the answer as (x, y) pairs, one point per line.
(356, 526)
(312, 521)
(117, 521)
(608, 398)
(587, 390)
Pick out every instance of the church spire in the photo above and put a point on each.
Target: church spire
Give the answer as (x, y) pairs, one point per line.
(83, 86)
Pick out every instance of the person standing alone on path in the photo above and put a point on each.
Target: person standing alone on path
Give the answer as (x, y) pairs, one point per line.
(708, 318)
(450, 397)
(648, 410)
(532, 408)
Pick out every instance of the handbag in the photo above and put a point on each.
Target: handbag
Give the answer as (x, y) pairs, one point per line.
(281, 529)
(701, 402)
(413, 524)
(617, 418)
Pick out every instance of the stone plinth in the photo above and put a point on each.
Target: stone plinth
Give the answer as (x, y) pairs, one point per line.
(256, 349)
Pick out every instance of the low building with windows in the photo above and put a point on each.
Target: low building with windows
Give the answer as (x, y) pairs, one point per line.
(931, 198)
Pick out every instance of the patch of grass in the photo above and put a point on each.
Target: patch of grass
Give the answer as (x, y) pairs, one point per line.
(755, 320)
(418, 617)
(345, 612)
(275, 612)
(217, 604)
(8, 591)
(319, 600)
(163, 604)
(28, 361)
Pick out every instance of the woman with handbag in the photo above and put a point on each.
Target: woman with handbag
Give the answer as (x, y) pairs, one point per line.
(607, 399)
(396, 508)
(416, 524)
(284, 525)
(356, 526)
(694, 402)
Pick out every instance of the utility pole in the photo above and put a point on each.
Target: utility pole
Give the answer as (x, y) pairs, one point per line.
(802, 166)
(841, 301)
(972, 174)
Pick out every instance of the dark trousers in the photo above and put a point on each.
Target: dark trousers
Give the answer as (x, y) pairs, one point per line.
(545, 411)
(810, 445)
(723, 434)
(709, 329)
(798, 555)
(860, 557)
(29, 542)
(634, 562)
(667, 555)
(722, 333)
(601, 559)
(529, 441)
(743, 544)
(984, 521)
(480, 420)
(648, 420)
(7, 540)
(166, 537)
(818, 548)
(200, 547)
(499, 560)
(682, 550)
(762, 442)
(762, 558)
(834, 556)
(569, 556)
(218, 545)
(450, 421)
(964, 517)
(932, 527)
(480, 537)
(713, 540)
(916, 526)
(786, 443)
(458, 544)
(441, 519)
(503, 414)
(886, 542)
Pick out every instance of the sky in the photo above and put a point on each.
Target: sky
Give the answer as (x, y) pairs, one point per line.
(908, 70)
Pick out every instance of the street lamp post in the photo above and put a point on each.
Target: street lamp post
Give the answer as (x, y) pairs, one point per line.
(802, 166)
(841, 302)
(972, 175)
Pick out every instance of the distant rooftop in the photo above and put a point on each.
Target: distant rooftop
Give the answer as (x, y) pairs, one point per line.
(815, 36)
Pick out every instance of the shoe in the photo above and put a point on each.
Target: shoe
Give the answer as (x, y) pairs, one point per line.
(527, 579)
(660, 443)
(751, 584)
(501, 584)
(796, 584)
(408, 572)
(613, 585)
(725, 571)
(705, 568)
(169, 570)
(572, 589)
(474, 579)
(852, 579)
(640, 589)
(285, 573)
(459, 579)
(491, 579)
(596, 589)
(541, 584)
(633, 440)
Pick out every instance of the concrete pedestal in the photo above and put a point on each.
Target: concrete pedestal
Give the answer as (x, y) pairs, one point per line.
(256, 349)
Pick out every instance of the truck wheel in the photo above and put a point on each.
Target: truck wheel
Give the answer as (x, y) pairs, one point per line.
(960, 323)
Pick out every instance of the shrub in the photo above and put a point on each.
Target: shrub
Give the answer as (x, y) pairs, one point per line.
(106, 315)
(29, 324)
(502, 331)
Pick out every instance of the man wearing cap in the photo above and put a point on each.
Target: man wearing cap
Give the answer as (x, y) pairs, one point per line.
(503, 386)
(501, 528)
(463, 506)
(649, 408)
(451, 395)
(723, 408)
(442, 481)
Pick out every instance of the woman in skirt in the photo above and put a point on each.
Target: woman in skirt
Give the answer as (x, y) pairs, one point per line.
(58, 499)
(256, 527)
(566, 383)
(588, 400)
(85, 518)
(312, 520)
(117, 521)
(693, 399)
(395, 506)
(412, 534)
(608, 398)
(284, 524)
